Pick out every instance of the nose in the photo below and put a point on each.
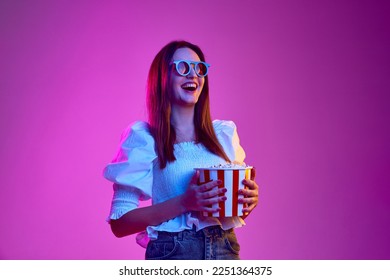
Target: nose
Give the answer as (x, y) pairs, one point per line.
(192, 73)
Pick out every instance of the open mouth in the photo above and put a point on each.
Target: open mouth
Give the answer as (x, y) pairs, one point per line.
(189, 86)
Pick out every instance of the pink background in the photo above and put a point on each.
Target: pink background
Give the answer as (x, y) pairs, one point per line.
(306, 82)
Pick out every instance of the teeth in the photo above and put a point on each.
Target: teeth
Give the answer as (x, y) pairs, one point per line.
(189, 85)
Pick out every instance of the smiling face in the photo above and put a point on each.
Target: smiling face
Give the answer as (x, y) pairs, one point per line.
(185, 91)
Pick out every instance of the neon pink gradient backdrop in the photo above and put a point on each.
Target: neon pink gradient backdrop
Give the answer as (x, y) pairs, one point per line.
(306, 82)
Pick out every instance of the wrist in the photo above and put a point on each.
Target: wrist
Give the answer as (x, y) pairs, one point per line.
(181, 203)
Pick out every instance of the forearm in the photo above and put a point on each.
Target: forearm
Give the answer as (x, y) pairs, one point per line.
(196, 198)
(138, 219)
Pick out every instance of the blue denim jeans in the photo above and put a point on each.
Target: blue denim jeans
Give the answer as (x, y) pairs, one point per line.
(211, 243)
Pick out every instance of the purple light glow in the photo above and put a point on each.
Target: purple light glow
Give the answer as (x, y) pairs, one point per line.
(311, 81)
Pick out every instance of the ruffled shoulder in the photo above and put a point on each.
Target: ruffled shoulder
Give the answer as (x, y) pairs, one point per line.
(133, 163)
(227, 135)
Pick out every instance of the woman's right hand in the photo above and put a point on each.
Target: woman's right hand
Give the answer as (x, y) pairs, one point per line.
(202, 197)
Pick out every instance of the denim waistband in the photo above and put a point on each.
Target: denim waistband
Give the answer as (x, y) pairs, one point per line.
(207, 231)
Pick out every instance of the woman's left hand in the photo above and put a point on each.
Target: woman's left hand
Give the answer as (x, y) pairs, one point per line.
(251, 194)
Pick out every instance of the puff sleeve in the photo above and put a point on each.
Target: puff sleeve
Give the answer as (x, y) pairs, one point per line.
(226, 132)
(131, 170)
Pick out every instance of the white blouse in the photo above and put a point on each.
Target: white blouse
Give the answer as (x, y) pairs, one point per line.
(137, 176)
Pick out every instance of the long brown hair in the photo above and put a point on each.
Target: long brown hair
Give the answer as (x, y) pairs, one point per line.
(159, 107)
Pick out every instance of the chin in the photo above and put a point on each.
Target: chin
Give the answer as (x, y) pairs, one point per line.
(190, 98)
(190, 103)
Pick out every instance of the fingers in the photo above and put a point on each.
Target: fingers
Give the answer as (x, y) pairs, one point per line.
(207, 196)
(248, 200)
(209, 186)
(205, 205)
(250, 193)
(249, 208)
(250, 184)
(211, 209)
(210, 194)
(213, 192)
(216, 199)
(253, 173)
(203, 197)
(211, 197)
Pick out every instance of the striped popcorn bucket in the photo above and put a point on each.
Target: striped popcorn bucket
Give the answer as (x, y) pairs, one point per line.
(231, 180)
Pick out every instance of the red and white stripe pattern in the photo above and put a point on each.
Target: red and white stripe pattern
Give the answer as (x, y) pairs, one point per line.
(232, 181)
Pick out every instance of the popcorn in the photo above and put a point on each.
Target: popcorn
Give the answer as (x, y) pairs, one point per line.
(229, 166)
(231, 175)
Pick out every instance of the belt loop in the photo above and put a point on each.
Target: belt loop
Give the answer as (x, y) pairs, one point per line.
(180, 236)
(221, 232)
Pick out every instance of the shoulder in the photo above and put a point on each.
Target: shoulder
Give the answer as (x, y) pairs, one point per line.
(137, 133)
(133, 163)
(137, 127)
(226, 132)
(224, 126)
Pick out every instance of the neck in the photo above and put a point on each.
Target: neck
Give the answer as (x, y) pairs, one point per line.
(182, 119)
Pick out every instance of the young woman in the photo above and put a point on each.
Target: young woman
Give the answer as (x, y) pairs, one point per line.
(157, 160)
